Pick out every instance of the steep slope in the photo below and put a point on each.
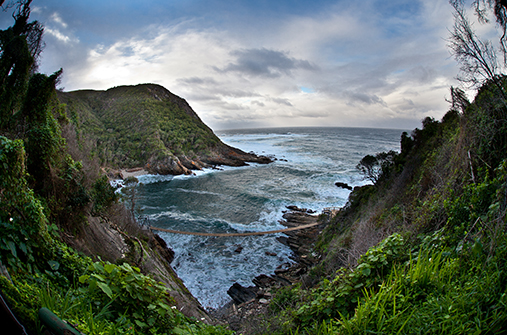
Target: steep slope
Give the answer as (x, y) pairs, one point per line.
(423, 249)
(148, 126)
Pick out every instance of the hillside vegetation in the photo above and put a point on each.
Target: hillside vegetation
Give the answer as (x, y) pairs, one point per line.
(147, 126)
(67, 243)
(424, 249)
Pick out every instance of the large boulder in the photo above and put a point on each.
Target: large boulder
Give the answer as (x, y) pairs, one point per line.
(241, 294)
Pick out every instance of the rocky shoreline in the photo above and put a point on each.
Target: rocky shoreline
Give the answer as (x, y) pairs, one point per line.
(254, 300)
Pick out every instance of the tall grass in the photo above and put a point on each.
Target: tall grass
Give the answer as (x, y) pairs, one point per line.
(431, 293)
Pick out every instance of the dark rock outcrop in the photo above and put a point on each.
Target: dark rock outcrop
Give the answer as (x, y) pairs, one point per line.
(241, 294)
(344, 185)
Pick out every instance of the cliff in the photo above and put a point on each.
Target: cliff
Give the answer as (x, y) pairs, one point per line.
(423, 248)
(147, 126)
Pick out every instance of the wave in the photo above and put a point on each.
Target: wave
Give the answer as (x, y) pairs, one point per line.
(253, 198)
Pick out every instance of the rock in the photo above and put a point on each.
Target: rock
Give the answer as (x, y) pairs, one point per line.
(283, 240)
(269, 253)
(297, 219)
(296, 208)
(343, 185)
(166, 165)
(164, 251)
(263, 281)
(263, 301)
(282, 268)
(239, 249)
(241, 294)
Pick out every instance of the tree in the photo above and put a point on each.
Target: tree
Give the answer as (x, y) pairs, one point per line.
(499, 8)
(477, 57)
(374, 168)
(20, 47)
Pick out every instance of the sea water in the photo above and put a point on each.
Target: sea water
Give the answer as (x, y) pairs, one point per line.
(307, 163)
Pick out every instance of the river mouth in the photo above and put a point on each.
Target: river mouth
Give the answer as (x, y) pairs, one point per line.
(307, 164)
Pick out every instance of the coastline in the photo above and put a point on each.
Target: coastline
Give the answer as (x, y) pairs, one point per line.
(134, 172)
(251, 303)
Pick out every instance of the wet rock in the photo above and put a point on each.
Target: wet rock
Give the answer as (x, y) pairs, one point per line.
(296, 208)
(239, 249)
(241, 294)
(269, 253)
(343, 185)
(282, 268)
(264, 281)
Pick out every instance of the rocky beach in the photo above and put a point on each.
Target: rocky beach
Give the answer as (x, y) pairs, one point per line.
(252, 302)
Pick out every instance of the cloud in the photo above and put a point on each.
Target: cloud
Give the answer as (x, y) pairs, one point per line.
(197, 81)
(282, 101)
(58, 19)
(361, 97)
(60, 36)
(363, 63)
(265, 63)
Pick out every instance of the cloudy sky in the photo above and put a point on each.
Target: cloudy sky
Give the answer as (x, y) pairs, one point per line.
(258, 63)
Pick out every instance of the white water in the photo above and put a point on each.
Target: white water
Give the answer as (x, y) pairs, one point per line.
(253, 198)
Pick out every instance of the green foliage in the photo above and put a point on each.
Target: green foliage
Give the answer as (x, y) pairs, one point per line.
(44, 143)
(486, 126)
(16, 61)
(376, 168)
(341, 295)
(103, 194)
(434, 293)
(131, 294)
(22, 300)
(24, 235)
(285, 298)
(133, 124)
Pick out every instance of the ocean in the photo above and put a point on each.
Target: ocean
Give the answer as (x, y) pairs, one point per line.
(307, 163)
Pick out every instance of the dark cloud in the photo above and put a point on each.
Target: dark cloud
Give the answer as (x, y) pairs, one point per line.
(265, 63)
(363, 98)
(281, 101)
(197, 81)
(258, 103)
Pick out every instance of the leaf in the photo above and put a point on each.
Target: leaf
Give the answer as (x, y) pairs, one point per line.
(12, 247)
(366, 271)
(99, 277)
(179, 331)
(141, 324)
(83, 279)
(109, 267)
(54, 265)
(23, 248)
(98, 267)
(106, 289)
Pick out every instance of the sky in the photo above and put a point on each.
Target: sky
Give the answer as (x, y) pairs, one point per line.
(261, 63)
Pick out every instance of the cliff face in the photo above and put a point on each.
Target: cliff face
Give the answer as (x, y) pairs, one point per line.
(148, 126)
(116, 239)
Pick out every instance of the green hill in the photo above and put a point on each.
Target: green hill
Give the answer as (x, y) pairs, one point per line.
(147, 126)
